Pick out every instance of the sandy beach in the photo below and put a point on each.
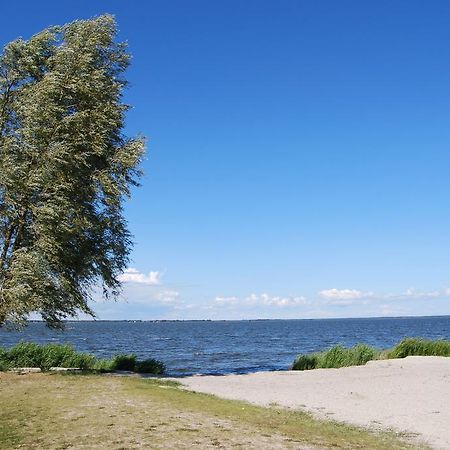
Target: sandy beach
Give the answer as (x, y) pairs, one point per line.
(410, 395)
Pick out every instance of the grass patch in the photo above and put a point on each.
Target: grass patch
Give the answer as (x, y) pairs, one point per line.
(336, 357)
(116, 412)
(29, 354)
(419, 347)
(360, 354)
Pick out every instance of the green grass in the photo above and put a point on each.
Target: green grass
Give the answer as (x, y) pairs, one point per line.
(53, 411)
(29, 354)
(419, 347)
(360, 354)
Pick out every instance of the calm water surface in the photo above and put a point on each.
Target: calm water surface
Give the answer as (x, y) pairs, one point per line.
(220, 347)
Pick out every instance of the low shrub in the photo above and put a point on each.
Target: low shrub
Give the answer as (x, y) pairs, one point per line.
(123, 362)
(150, 366)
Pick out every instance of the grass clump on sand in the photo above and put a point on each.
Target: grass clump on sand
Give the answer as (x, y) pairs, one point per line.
(52, 411)
(419, 347)
(336, 357)
(29, 354)
(360, 354)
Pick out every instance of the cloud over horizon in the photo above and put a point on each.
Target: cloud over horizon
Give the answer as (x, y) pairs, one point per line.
(254, 300)
(132, 275)
(412, 293)
(146, 296)
(344, 294)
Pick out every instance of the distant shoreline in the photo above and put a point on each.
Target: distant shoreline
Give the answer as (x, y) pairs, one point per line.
(244, 320)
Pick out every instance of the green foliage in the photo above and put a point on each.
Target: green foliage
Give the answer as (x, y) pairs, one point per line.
(336, 357)
(419, 347)
(24, 354)
(306, 362)
(123, 362)
(102, 365)
(129, 362)
(150, 366)
(29, 354)
(65, 168)
(55, 355)
(362, 354)
(339, 356)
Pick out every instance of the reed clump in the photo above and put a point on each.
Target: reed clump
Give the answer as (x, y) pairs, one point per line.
(336, 357)
(419, 347)
(339, 356)
(29, 354)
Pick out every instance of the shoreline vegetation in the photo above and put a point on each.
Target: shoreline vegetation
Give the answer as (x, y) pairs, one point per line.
(44, 357)
(339, 356)
(237, 320)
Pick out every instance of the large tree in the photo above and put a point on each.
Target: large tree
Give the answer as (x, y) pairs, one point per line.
(65, 169)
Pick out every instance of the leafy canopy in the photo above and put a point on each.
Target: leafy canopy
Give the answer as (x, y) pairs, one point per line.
(65, 169)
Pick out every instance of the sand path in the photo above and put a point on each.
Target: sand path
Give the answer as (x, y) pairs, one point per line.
(410, 395)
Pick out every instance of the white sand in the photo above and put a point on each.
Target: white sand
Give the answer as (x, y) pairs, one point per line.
(410, 395)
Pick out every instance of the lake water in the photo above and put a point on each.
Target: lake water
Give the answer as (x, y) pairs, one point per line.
(219, 347)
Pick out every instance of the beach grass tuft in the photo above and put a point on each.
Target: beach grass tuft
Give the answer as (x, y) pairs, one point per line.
(336, 357)
(339, 356)
(419, 347)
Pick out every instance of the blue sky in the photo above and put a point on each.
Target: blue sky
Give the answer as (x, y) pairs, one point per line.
(298, 157)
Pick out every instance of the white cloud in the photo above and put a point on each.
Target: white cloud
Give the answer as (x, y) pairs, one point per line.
(132, 275)
(344, 294)
(226, 300)
(417, 294)
(412, 293)
(168, 296)
(278, 301)
(255, 300)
